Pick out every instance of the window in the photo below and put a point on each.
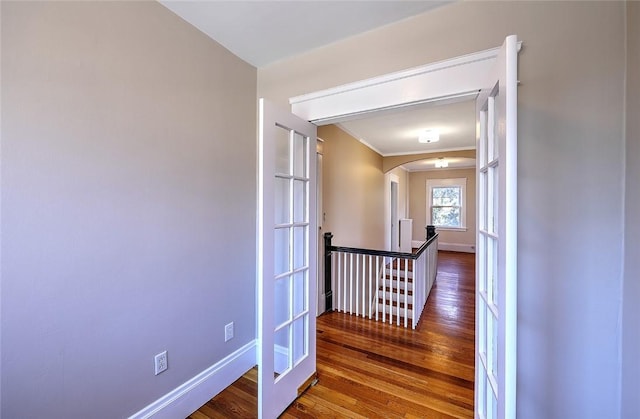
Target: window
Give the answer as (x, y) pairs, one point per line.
(446, 206)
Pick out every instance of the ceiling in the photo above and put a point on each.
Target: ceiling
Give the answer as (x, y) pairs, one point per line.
(263, 32)
(396, 133)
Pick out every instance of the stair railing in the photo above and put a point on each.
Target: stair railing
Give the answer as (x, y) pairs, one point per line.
(380, 285)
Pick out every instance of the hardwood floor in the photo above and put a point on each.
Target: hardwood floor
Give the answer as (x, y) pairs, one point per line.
(373, 370)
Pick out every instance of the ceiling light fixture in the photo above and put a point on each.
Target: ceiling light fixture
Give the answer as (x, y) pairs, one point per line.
(441, 162)
(429, 136)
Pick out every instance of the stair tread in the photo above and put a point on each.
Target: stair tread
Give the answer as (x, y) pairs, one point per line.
(395, 278)
(395, 304)
(395, 290)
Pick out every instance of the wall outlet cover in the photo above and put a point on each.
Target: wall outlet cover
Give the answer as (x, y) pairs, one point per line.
(161, 363)
(228, 332)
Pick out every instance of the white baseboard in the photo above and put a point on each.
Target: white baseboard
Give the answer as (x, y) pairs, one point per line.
(185, 399)
(452, 247)
(281, 361)
(457, 247)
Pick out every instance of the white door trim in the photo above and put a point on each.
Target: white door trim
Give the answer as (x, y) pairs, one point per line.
(320, 293)
(389, 179)
(458, 77)
(453, 79)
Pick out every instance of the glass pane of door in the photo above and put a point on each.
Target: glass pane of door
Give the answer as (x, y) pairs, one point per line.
(283, 246)
(287, 239)
(292, 249)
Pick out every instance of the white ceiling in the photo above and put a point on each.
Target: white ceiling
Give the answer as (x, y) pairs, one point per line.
(397, 133)
(262, 32)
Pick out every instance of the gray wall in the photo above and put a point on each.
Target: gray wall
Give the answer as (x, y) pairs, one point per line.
(631, 291)
(128, 205)
(571, 166)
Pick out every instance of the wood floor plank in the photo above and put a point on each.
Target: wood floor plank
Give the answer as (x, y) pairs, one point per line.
(368, 369)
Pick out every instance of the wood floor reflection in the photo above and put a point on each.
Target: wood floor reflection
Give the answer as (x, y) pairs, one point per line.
(375, 370)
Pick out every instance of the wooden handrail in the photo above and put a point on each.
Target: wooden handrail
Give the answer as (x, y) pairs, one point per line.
(407, 255)
(402, 280)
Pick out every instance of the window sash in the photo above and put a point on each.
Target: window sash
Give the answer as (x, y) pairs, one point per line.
(452, 191)
(457, 220)
(456, 200)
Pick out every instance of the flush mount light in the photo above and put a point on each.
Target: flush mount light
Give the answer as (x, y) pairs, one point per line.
(441, 162)
(429, 136)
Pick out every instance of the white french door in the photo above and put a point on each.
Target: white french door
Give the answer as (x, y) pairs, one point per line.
(496, 256)
(287, 254)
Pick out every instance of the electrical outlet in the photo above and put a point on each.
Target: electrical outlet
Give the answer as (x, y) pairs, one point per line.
(228, 332)
(161, 363)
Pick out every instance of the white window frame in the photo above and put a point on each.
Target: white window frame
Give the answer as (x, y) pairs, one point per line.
(459, 182)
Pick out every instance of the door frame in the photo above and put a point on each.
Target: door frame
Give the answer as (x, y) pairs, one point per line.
(390, 179)
(451, 80)
(456, 79)
(320, 292)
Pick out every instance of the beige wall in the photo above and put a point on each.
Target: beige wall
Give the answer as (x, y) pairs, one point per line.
(570, 120)
(418, 206)
(353, 185)
(128, 206)
(631, 291)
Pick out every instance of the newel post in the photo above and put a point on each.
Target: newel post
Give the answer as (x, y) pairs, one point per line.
(328, 292)
(431, 231)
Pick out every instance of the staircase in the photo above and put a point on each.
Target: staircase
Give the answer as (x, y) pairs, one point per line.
(385, 286)
(394, 297)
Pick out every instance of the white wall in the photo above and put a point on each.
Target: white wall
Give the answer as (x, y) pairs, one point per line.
(570, 216)
(128, 205)
(631, 290)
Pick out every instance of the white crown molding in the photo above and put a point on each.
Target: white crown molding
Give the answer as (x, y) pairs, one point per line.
(345, 129)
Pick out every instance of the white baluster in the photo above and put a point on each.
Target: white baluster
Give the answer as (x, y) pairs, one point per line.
(418, 286)
(350, 283)
(370, 258)
(363, 283)
(406, 291)
(338, 279)
(344, 283)
(377, 284)
(397, 278)
(357, 281)
(384, 289)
